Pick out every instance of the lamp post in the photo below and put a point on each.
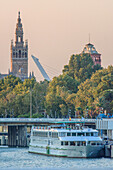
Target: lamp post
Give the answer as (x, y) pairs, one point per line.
(69, 113)
(30, 103)
(55, 114)
(75, 114)
(87, 113)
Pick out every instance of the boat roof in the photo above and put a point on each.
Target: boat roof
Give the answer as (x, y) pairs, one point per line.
(68, 130)
(78, 138)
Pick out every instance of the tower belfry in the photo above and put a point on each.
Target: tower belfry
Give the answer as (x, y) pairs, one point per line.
(19, 53)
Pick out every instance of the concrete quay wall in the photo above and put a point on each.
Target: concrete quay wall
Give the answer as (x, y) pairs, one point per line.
(4, 141)
(108, 150)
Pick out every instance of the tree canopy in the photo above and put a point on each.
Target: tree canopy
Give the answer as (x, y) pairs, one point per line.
(83, 89)
(63, 91)
(15, 96)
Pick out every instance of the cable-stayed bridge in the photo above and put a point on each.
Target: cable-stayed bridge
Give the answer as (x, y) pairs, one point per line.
(52, 71)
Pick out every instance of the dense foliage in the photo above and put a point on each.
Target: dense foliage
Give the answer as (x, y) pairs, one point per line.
(82, 89)
(15, 97)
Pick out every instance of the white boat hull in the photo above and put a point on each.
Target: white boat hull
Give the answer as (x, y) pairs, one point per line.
(73, 152)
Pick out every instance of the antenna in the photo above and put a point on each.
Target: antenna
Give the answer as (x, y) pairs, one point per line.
(89, 37)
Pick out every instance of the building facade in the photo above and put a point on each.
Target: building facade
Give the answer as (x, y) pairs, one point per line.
(105, 128)
(19, 53)
(89, 48)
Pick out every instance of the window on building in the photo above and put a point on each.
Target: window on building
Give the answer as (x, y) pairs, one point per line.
(19, 39)
(25, 55)
(105, 132)
(13, 54)
(19, 53)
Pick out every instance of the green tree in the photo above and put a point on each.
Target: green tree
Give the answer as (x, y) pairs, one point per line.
(81, 67)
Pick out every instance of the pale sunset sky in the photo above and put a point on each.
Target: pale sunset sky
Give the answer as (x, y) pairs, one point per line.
(55, 30)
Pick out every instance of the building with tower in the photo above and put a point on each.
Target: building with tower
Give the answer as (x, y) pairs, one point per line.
(19, 53)
(89, 48)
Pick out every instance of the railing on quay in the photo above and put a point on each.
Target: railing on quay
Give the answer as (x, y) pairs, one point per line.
(48, 120)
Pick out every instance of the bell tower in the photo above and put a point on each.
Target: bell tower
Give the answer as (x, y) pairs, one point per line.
(19, 53)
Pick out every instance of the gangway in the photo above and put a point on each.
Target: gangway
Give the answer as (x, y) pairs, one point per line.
(36, 60)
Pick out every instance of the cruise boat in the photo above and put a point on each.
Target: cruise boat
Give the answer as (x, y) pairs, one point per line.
(62, 141)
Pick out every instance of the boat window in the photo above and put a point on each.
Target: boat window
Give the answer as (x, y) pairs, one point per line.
(78, 143)
(93, 143)
(81, 143)
(95, 134)
(72, 143)
(68, 134)
(40, 134)
(66, 143)
(84, 143)
(87, 134)
(92, 134)
(49, 134)
(62, 134)
(73, 134)
(61, 142)
(35, 134)
(54, 135)
(48, 142)
(80, 134)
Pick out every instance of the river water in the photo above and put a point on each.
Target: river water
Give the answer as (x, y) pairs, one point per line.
(19, 158)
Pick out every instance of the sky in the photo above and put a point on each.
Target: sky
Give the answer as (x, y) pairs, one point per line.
(56, 29)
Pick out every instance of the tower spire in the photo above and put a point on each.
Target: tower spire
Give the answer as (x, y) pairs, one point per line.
(19, 14)
(19, 19)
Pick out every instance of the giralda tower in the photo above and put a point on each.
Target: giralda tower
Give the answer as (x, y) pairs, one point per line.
(19, 53)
